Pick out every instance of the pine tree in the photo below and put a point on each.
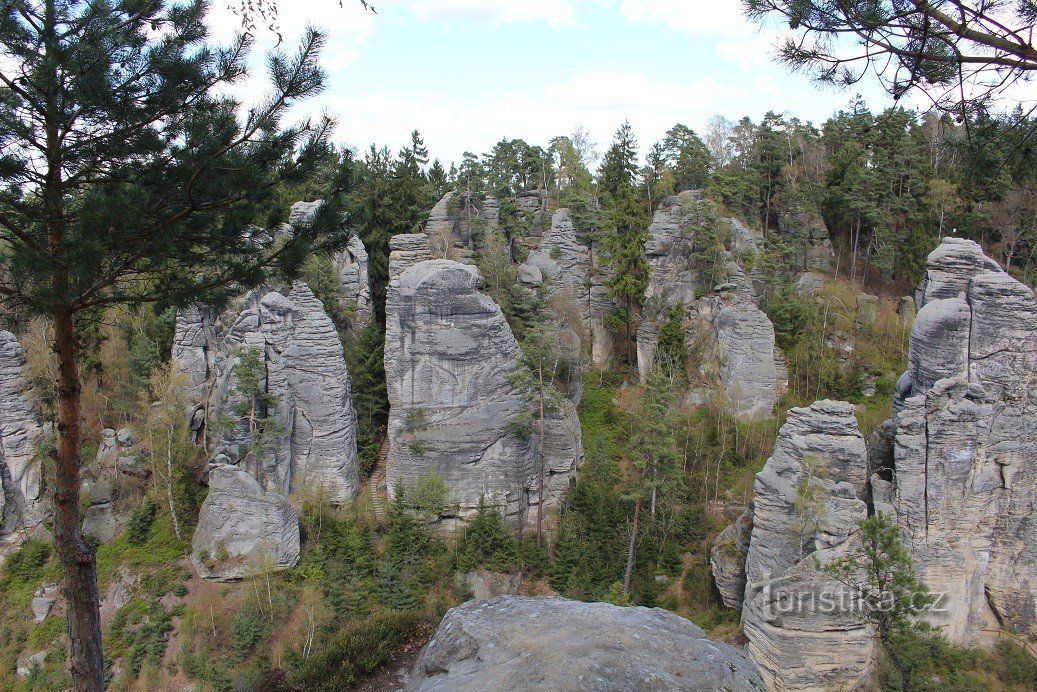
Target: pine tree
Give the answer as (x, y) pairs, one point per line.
(125, 179)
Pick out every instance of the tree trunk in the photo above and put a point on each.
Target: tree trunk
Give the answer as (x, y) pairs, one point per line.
(79, 584)
(630, 548)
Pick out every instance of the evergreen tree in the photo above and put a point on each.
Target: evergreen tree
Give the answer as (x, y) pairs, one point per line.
(688, 157)
(126, 179)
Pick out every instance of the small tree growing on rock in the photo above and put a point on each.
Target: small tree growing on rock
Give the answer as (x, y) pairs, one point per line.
(889, 593)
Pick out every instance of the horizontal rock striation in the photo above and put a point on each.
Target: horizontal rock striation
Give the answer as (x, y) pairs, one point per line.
(964, 458)
(21, 431)
(295, 432)
(820, 460)
(450, 359)
(517, 643)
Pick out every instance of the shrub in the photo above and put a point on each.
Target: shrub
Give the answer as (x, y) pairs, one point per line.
(141, 519)
(356, 651)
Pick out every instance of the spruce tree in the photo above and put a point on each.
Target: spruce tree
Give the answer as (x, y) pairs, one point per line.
(124, 179)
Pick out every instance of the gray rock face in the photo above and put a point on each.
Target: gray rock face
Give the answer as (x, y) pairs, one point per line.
(727, 559)
(809, 238)
(21, 429)
(744, 350)
(449, 361)
(566, 265)
(742, 358)
(243, 529)
(43, 601)
(516, 643)
(965, 456)
(305, 374)
(304, 409)
(351, 265)
(803, 645)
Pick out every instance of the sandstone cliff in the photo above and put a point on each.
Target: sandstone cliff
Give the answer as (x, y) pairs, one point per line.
(21, 430)
(808, 500)
(565, 265)
(450, 358)
(964, 462)
(302, 413)
(691, 254)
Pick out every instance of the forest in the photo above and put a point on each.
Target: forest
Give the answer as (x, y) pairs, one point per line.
(118, 232)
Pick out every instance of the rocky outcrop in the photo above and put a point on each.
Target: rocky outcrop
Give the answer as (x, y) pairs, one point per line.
(744, 350)
(275, 402)
(517, 643)
(455, 409)
(565, 265)
(303, 391)
(21, 430)
(964, 477)
(807, 235)
(242, 528)
(692, 255)
(350, 265)
(808, 500)
(727, 559)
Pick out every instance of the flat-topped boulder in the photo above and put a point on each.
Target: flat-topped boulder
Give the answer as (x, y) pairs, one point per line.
(520, 643)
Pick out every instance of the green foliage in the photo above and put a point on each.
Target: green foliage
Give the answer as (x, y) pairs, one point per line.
(141, 518)
(879, 572)
(26, 566)
(137, 634)
(364, 351)
(249, 627)
(357, 650)
(487, 542)
(671, 352)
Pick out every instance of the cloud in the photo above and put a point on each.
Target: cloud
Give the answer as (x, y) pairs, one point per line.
(600, 101)
(716, 17)
(555, 12)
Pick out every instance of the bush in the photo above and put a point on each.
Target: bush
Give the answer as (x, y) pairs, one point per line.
(141, 519)
(355, 652)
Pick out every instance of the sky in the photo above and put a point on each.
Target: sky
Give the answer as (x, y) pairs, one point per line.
(467, 73)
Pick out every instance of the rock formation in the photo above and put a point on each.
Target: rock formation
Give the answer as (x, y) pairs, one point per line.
(808, 499)
(565, 265)
(302, 411)
(21, 430)
(727, 559)
(450, 357)
(242, 528)
(516, 643)
(350, 264)
(963, 477)
(741, 357)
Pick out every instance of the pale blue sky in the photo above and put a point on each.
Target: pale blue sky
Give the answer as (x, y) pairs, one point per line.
(469, 72)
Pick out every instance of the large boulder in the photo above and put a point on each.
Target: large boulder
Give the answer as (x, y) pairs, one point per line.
(809, 497)
(964, 478)
(243, 529)
(21, 430)
(455, 409)
(517, 643)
